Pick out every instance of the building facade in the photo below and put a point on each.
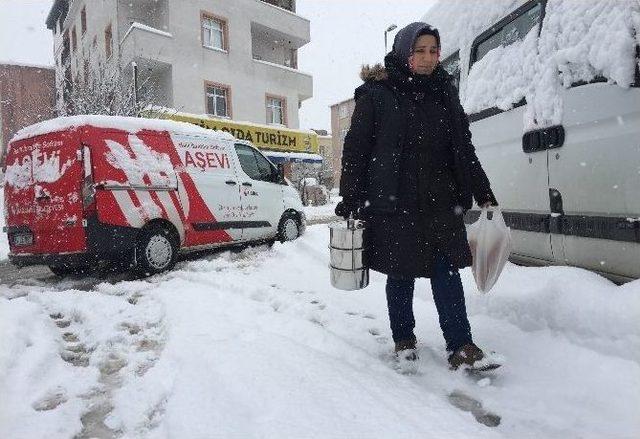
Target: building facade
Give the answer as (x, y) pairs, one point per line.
(27, 96)
(340, 122)
(234, 59)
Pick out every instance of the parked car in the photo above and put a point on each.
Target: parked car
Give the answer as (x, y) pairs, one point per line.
(84, 189)
(551, 88)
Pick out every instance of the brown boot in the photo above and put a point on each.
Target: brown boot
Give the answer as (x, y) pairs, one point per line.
(406, 349)
(467, 355)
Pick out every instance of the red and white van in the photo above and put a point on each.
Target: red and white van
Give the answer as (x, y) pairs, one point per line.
(84, 189)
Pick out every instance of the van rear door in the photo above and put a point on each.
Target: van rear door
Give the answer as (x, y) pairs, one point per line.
(43, 194)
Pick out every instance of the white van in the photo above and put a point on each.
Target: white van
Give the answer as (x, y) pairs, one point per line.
(84, 189)
(551, 88)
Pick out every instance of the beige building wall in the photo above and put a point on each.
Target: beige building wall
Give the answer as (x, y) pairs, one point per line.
(164, 38)
(340, 122)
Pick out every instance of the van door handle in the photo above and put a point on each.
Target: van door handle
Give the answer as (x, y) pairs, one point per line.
(230, 182)
(543, 139)
(246, 183)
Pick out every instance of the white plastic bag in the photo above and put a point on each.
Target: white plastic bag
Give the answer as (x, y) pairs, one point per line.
(490, 243)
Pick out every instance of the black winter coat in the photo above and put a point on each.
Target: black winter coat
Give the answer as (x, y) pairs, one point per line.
(408, 157)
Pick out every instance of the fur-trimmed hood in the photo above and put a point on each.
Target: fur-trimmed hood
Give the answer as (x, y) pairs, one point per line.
(376, 72)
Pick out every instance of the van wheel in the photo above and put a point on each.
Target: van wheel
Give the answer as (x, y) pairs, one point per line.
(156, 250)
(289, 228)
(68, 270)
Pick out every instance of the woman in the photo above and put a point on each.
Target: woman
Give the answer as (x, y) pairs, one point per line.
(409, 168)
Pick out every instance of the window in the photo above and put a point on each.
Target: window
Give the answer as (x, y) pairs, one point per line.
(83, 20)
(217, 96)
(108, 41)
(513, 28)
(276, 110)
(254, 164)
(74, 39)
(214, 32)
(452, 66)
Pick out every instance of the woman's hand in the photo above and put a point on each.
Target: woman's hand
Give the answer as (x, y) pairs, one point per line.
(487, 205)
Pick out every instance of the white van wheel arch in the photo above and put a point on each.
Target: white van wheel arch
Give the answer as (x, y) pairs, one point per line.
(289, 227)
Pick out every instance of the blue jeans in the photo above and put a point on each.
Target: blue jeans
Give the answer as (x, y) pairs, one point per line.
(448, 296)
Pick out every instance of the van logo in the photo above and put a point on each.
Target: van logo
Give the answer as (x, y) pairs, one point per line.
(38, 167)
(202, 160)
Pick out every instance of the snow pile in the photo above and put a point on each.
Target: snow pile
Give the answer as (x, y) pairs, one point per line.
(579, 41)
(584, 307)
(130, 124)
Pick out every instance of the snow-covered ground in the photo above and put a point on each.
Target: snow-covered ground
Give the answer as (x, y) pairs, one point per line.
(322, 213)
(258, 344)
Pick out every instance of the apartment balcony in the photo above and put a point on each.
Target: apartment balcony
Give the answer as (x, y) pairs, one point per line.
(152, 13)
(286, 77)
(143, 41)
(293, 29)
(154, 82)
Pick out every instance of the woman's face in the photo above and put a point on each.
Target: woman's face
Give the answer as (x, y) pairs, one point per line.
(425, 55)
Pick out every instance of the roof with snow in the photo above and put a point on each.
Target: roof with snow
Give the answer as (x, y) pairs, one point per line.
(130, 124)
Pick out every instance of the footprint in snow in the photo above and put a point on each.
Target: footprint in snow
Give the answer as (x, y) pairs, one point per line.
(318, 304)
(131, 328)
(133, 300)
(112, 364)
(51, 400)
(70, 337)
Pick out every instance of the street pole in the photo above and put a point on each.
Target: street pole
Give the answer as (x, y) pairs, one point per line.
(389, 29)
(135, 86)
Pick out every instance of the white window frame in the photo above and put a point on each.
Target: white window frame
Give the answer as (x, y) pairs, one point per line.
(274, 104)
(208, 31)
(211, 92)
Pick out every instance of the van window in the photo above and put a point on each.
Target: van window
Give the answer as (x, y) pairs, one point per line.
(452, 66)
(254, 164)
(503, 34)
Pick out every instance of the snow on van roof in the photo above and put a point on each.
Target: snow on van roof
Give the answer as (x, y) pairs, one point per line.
(579, 41)
(130, 124)
(460, 21)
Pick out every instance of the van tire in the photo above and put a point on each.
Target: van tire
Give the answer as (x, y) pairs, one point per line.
(68, 270)
(156, 250)
(289, 227)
